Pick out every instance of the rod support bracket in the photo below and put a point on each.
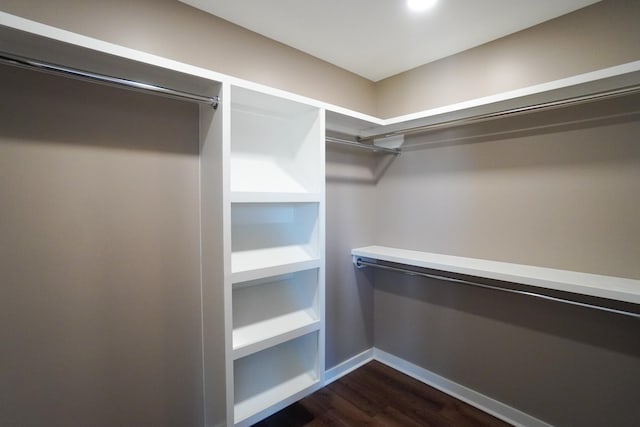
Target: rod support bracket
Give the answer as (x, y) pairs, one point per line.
(215, 102)
(356, 262)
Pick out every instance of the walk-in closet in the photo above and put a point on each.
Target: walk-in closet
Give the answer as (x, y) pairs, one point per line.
(203, 226)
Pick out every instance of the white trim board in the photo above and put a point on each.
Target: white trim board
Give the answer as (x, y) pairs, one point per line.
(465, 394)
(348, 366)
(478, 400)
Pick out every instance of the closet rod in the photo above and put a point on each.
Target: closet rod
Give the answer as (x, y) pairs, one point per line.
(368, 147)
(361, 263)
(20, 61)
(613, 93)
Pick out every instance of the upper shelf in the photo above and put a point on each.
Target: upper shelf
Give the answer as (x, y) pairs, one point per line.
(594, 82)
(615, 288)
(49, 44)
(32, 39)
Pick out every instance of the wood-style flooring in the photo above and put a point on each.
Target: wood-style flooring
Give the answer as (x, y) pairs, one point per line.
(377, 395)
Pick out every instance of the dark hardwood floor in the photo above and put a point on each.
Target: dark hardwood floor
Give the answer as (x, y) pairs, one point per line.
(376, 395)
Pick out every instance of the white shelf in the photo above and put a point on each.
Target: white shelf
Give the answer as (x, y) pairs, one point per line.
(271, 197)
(260, 263)
(618, 76)
(256, 404)
(29, 38)
(615, 288)
(269, 239)
(271, 311)
(271, 332)
(274, 377)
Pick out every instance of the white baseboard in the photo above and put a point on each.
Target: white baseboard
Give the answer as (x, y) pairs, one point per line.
(465, 394)
(347, 366)
(479, 400)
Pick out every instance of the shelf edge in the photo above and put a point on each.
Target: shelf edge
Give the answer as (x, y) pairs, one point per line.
(276, 270)
(616, 288)
(272, 341)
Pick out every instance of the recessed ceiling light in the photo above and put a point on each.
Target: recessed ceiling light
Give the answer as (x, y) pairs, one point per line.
(420, 5)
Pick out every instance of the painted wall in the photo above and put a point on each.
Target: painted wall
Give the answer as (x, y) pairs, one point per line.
(350, 222)
(561, 198)
(100, 317)
(556, 189)
(598, 36)
(174, 30)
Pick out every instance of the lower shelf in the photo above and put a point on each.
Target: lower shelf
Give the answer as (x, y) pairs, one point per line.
(259, 263)
(249, 407)
(254, 338)
(270, 311)
(272, 376)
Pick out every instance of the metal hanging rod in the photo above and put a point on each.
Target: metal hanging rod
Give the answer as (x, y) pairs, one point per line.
(33, 64)
(374, 148)
(362, 263)
(614, 93)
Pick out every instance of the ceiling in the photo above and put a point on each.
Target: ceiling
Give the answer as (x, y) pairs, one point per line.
(380, 38)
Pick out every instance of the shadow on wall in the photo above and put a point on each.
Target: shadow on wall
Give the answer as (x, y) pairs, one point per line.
(115, 117)
(595, 328)
(352, 165)
(577, 117)
(100, 314)
(562, 364)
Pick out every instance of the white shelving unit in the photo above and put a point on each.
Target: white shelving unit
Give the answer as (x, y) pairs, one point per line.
(276, 284)
(615, 288)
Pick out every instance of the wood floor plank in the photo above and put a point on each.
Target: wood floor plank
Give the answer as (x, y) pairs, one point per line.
(392, 417)
(370, 400)
(333, 410)
(379, 396)
(406, 395)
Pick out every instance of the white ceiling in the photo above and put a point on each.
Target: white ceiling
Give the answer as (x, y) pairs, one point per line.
(380, 38)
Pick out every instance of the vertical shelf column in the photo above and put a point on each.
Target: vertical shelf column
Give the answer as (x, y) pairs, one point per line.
(276, 228)
(215, 257)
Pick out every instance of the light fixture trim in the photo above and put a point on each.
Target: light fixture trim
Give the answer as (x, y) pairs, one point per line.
(420, 5)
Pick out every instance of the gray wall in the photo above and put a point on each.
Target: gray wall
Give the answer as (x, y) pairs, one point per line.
(558, 194)
(100, 317)
(350, 203)
(477, 198)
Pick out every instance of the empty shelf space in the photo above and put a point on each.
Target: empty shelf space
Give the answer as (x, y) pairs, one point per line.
(268, 239)
(275, 376)
(270, 311)
(614, 288)
(276, 145)
(261, 174)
